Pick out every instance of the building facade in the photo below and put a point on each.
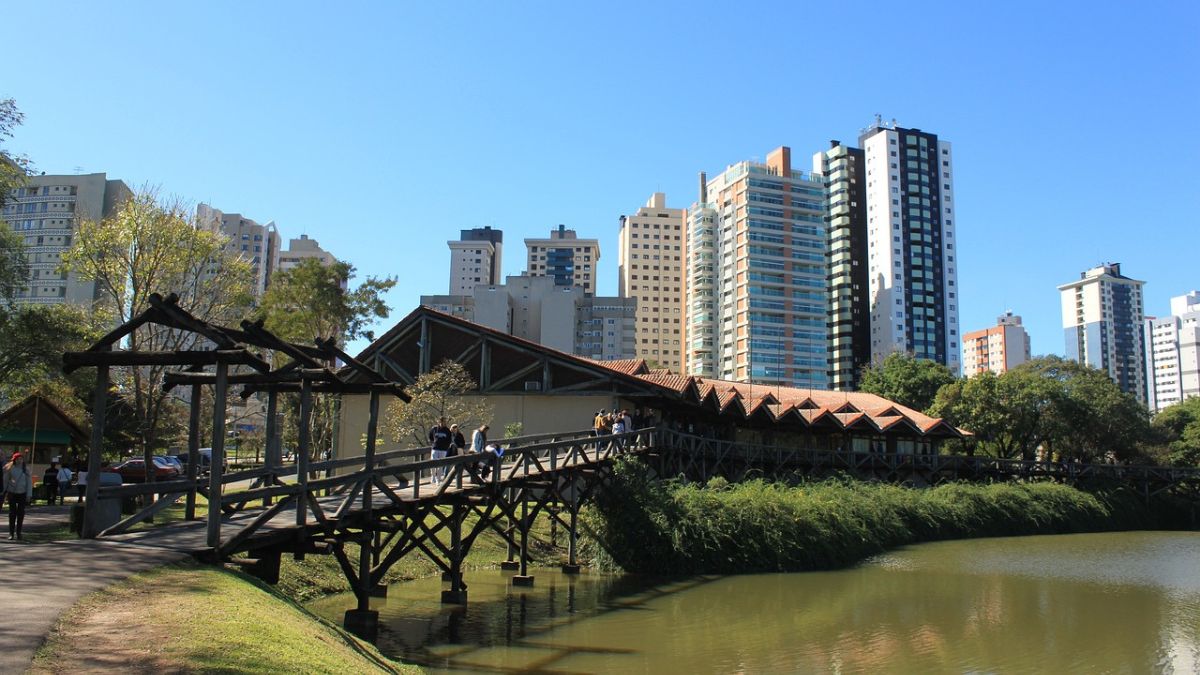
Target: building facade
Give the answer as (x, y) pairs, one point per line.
(564, 257)
(913, 280)
(302, 249)
(998, 349)
(537, 309)
(475, 259)
(1103, 325)
(46, 213)
(650, 249)
(1173, 353)
(849, 305)
(257, 244)
(756, 269)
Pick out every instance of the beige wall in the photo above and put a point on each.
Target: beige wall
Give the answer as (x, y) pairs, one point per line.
(538, 413)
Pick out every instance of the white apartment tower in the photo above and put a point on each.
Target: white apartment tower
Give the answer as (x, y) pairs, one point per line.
(301, 249)
(571, 261)
(475, 259)
(1173, 353)
(913, 279)
(46, 212)
(650, 249)
(1103, 325)
(257, 244)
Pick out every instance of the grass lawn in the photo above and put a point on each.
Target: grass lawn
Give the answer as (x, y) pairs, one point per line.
(193, 618)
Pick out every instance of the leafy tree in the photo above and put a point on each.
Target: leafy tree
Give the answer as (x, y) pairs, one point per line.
(14, 270)
(153, 245)
(313, 300)
(446, 391)
(1178, 428)
(1010, 414)
(905, 379)
(32, 342)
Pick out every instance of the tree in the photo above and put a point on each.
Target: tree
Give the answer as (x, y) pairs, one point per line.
(1178, 427)
(313, 300)
(446, 391)
(153, 245)
(32, 342)
(14, 270)
(905, 379)
(1010, 415)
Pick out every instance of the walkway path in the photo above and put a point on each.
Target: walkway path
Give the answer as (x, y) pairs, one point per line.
(42, 581)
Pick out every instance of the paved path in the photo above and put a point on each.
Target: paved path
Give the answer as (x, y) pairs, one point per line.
(41, 581)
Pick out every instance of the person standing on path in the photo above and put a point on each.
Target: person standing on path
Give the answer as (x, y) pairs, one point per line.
(458, 443)
(50, 480)
(64, 482)
(18, 485)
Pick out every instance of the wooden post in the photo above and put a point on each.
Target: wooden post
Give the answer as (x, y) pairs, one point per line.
(271, 439)
(426, 354)
(216, 465)
(193, 452)
(523, 578)
(302, 450)
(91, 515)
(572, 566)
(457, 595)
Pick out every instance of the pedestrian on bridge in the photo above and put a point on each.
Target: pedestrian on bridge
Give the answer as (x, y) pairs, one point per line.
(458, 444)
(18, 485)
(440, 441)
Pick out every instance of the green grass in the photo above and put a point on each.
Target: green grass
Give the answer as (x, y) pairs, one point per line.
(758, 526)
(190, 618)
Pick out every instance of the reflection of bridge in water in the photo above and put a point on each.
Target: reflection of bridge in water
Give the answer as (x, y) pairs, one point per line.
(392, 504)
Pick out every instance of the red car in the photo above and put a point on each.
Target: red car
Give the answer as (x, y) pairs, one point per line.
(134, 471)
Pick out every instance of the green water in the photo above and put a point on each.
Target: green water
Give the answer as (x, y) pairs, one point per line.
(1102, 603)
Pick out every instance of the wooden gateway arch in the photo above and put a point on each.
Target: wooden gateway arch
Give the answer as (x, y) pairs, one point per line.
(399, 502)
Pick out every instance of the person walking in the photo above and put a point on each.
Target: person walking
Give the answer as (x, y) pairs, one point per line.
(440, 441)
(458, 444)
(478, 444)
(64, 482)
(598, 422)
(18, 485)
(50, 480)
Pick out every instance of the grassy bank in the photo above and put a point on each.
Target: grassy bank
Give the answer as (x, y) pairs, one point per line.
(192, 618)
(645, 526)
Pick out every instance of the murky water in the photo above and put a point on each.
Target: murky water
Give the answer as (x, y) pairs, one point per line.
(1112, 603)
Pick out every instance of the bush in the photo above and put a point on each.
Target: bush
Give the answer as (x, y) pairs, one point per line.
(669, 527)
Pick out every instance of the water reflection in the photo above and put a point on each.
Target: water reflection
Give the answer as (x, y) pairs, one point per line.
(1127, 602)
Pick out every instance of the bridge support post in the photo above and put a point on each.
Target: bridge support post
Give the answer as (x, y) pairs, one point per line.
(91, 516)
(302, 450)
(572, 566)
(216, 465)
(510, 564)
(524, 578)
(362, 622)
(457, 595)
(193, 465)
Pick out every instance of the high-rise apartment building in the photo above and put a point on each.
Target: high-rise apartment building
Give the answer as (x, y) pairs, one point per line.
(650, 249)
(998, 349)
(47, 212)
(301, 249)
(1173, 353)
(1103, 325)
(912, 273)
(539, 310)
(569, 260)
(257, 244)
(756, 268)
(849, 305)
(475, 259)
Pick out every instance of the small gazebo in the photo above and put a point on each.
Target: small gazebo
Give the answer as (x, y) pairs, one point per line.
(42, 431)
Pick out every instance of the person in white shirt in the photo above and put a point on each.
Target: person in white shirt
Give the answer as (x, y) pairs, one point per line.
(64, 481)
(18, 485)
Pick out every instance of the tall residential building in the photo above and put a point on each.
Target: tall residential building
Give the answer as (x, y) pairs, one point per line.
(301, 249)
(47, 212)
(756, 276)
(1173, 353)
(913, 282)
(1102, 321)
(571, 261)
(849, 305)
(475, 259)
(258, 244)
(998, 349)
(650, 249)
(539, 310)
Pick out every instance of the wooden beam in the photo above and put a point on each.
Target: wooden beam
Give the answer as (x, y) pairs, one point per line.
(91, 513)
(485, 364)
(217, 457)
(426, 355)
(405, 376)
(193, 452)
(74, 360)
(513, 377)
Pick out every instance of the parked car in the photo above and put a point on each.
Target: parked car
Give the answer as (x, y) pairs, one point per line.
(134, 470)
(172, 460)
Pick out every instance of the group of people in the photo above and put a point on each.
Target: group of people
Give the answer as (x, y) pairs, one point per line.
(448, 441)
(615, 422)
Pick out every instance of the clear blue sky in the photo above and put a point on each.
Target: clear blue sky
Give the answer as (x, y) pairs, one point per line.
(381, 129)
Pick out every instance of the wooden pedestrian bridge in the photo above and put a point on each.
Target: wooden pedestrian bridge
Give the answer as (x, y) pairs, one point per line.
(369, 511)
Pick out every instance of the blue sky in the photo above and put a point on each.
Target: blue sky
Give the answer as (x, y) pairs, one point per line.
(381, 129)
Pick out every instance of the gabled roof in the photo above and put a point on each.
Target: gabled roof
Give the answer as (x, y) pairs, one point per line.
(41, 413)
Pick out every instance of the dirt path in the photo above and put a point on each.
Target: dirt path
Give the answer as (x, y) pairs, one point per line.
(41, 581)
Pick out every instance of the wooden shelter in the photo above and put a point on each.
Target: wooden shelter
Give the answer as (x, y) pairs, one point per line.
(41, 430)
